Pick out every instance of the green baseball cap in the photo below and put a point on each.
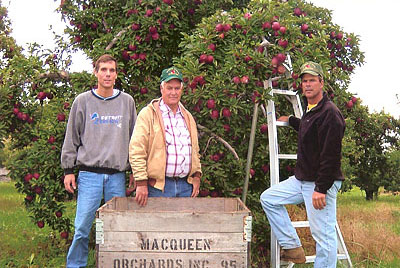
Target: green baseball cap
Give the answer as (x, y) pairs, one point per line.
(312, 68)
(171, 73)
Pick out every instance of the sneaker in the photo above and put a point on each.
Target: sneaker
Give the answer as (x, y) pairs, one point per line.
(295, 255)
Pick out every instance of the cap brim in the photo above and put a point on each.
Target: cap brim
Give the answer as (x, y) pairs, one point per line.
(310, 72)
(172, 77)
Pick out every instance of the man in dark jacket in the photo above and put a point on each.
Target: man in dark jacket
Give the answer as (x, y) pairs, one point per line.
(318, 176)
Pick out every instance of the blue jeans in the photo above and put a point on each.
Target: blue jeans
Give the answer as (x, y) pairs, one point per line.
(322, 222)
(172, 188)
(91, 187)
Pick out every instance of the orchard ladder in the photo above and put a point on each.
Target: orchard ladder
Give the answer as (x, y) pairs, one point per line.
(275, 155)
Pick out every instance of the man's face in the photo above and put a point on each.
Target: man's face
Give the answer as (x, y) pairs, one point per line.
(171, 92)
(312, 88)
(106, 75)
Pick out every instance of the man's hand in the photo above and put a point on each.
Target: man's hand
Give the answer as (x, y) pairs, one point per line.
(142, 194)
(283, 118)
(318, 200)
(196, 186)
(69, 183)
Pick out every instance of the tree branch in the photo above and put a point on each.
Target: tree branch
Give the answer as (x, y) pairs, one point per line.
(225, 143)
(112, 43)
(59, 75)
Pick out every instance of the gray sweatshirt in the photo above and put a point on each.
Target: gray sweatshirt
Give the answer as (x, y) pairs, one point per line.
(98, 133)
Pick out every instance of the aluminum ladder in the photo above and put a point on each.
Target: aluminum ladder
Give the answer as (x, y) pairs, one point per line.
(275, 156)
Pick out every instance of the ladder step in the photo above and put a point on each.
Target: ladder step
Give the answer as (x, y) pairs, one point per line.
(287, 156)
(311, 259)
(284, 92)
(282, 124)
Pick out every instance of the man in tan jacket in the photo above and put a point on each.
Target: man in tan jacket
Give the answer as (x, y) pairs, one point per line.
(164, 149)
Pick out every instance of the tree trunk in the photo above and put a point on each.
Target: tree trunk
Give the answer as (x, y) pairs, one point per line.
(369, 195)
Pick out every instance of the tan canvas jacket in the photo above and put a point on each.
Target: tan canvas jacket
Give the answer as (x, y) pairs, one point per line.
(147, 149)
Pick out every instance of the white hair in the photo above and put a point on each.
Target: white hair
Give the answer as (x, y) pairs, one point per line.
(163, 82)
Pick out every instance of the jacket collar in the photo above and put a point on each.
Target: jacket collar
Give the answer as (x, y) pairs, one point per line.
(321, 103)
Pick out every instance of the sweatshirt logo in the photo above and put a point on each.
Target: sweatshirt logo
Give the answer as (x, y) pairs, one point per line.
(106, 119)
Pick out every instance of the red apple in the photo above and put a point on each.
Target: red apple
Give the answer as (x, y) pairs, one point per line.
(304, 28)
(244, 79)
(149, 13)
(252, 172)
(143, 90)
(266, 25)
(214, 114)
(226, 27)
(236, 80)
(297, 11)
(349, 104)
(209, 59)
(36, 175)
(212, 47)
(58, 214)
(204, 193)
(37, 190)
(61, 117)
(214, 193)
(41, 95)
(265, 168)
(40, 224)
(168, 2)
(264, 128)
(238, 191)
(282, 30)
(29, 198)
(281, 69)
(283, 43)
(276, 26)
(354, 99)
(226, 112)
(28, 177)
(227, 128)
(51, 139)
(210, 104)
(219, 28)
(202, 58)
(64, 235)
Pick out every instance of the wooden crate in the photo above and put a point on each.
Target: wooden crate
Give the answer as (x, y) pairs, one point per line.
(173, 233)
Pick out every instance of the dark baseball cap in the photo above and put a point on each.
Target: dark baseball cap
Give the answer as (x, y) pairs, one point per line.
(171, 73)
(312, 68)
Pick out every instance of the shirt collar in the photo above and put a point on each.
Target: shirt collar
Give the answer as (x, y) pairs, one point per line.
(165, 108)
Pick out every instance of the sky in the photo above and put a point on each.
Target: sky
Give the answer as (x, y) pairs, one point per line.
(375, 21)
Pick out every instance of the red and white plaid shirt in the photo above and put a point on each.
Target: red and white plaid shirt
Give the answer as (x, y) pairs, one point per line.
(178, 143)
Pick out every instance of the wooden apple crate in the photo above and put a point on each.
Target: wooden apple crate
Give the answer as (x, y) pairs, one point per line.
(173, 232)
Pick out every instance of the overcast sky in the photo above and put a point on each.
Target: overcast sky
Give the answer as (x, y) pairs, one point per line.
(375, 21)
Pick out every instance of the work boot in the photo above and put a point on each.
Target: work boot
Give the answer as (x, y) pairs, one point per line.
(295, 255)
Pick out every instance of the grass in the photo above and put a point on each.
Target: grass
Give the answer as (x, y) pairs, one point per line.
(371, 230)
(22, 243)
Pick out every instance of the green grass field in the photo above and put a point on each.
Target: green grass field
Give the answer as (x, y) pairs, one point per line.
(371, 231)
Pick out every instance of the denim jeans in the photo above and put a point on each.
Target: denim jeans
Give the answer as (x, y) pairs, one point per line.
(322, 222)
(91, 187)
(172, 188)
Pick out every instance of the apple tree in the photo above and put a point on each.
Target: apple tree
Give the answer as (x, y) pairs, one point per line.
(38, 91)
(225, 62)
(375, 135)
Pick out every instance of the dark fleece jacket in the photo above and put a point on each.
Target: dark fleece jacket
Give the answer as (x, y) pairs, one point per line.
(320, 134)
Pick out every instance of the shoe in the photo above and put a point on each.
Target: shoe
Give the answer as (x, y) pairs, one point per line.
(295, 255)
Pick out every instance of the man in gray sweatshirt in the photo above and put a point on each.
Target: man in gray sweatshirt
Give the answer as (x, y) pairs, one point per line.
(96, 143)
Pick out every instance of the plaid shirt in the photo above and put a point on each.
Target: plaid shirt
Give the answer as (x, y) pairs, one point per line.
(178, 142)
